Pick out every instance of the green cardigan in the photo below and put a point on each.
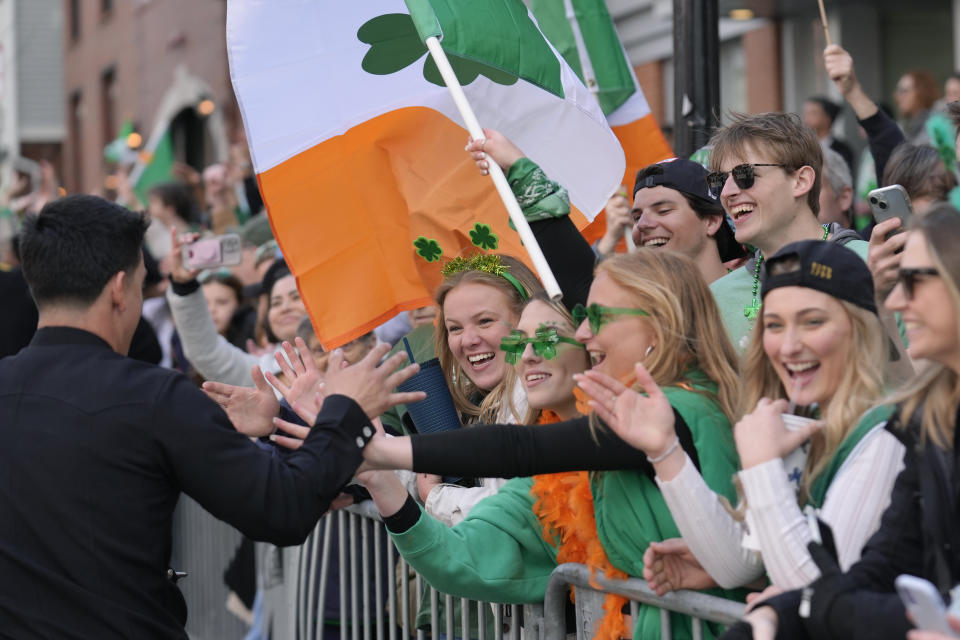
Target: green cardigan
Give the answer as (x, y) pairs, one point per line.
(498, 552)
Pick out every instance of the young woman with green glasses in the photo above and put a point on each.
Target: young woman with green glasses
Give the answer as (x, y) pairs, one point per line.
(649, 306)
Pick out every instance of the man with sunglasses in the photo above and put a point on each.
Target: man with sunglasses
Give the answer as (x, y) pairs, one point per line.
(766, 172)
(674, 209)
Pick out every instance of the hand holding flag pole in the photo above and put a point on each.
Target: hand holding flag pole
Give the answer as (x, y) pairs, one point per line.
(499, 179)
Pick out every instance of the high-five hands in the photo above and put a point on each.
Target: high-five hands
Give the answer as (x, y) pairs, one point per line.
(646, 422)
(251, 410)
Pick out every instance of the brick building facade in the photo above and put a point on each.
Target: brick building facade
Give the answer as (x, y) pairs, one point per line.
(133, 60)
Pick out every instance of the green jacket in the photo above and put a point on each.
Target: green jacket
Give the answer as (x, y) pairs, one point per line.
(498, 552)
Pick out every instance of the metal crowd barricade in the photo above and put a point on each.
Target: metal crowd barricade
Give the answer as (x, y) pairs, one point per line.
(699, 606)
(350, 551)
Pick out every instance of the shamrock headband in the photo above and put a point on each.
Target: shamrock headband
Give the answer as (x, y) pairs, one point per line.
(488, 263)
(545, 342)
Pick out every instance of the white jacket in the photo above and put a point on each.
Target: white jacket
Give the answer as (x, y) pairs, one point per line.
(210, 353)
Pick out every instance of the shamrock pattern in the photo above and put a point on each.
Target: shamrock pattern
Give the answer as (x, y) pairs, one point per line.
(482, 236)
(428, 249)
(395, 45)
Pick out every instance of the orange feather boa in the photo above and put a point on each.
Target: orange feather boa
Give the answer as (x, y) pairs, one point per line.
(564, 505)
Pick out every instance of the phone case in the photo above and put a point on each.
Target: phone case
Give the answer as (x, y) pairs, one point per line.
(924, 603)
(209, 253)
(890, 202)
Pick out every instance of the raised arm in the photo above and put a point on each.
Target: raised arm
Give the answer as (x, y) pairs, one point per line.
(211, 354)
(546, 206)
(883, 134)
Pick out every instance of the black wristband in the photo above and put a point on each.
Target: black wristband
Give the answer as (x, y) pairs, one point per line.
(405, 518)
(184, 288)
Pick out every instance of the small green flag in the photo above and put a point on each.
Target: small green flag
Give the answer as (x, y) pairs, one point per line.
(157, 166)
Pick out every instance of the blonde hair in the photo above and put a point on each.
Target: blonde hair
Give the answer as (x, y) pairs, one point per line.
(567, 328)
(937, 387)
(860, 388)
(461, 387)
(684, 318)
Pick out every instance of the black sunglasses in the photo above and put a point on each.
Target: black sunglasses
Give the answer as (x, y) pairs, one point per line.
(743, 175)
(908, 278)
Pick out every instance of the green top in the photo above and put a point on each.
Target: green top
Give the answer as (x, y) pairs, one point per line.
(498, 552)
(734, 291)
(872, 419)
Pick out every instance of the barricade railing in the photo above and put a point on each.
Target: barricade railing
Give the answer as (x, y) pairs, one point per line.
(378, 596)
(699, 606)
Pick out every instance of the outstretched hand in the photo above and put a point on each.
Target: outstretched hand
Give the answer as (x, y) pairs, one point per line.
(306, 382)
(762, 436)
(370, 384)
(646, 422)
(250, 410)
(495, 146)
(670, 565)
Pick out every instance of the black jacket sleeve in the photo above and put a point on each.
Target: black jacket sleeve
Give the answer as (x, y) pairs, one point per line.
(569, 255)
(883, 136)
(267, 497)
(512, 451)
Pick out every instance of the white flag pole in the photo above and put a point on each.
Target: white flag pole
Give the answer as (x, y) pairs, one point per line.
(589, 79)
(499, 180)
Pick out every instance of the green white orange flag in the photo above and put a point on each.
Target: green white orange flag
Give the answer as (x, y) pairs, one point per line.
(358, 147)
(584, 34)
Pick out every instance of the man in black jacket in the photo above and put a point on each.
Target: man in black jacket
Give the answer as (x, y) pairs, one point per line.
(97, 447)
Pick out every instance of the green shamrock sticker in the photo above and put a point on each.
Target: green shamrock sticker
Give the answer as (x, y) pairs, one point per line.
(481, 236)
(395, 45)
(428, 249)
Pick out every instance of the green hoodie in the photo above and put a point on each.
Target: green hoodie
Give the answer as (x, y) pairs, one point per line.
(498, 552)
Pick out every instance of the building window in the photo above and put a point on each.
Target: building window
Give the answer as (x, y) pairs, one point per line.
(74, 20)
(108, 100)
(76, 142)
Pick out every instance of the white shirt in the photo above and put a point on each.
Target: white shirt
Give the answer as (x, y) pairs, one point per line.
(854, 503)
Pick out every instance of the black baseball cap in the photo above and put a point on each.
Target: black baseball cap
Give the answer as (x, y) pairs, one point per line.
(824, 266)
(690, 179)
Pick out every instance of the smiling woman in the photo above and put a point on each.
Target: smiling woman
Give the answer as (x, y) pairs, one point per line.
(649, 306)
(820, 344)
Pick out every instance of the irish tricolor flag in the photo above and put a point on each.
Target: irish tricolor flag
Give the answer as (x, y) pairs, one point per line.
(583, 32)
(358, 146)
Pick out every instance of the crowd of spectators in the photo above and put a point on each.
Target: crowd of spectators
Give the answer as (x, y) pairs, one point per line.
(768, 349)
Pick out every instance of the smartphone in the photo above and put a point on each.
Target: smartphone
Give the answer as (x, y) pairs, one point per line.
(890, 202)
(924, 603)
(209, 253)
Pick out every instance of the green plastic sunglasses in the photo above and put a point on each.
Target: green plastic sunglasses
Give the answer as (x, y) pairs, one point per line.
(544, 342)
(600, 315)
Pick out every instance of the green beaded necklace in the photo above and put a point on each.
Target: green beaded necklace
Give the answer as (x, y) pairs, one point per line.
(751, 311)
